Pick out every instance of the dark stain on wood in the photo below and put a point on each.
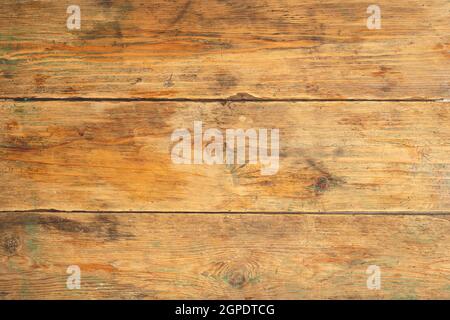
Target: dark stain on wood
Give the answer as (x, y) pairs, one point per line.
(8, 67)
(226, 80)
(181, 13)
(321, 185)
(10, 244)
(106, 3)
(325, 180)
(102, 226)
(103, 29)
(236, 279)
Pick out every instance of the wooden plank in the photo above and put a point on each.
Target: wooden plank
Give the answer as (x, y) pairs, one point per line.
(333, 156)
(268, 49)
(216, 256)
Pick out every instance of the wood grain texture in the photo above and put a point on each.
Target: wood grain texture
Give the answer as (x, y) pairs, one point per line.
(215, 256)
(268, 49)
(334, 156)
(344, 157)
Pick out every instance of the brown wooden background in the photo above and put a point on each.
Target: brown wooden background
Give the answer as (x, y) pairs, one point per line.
(86, 175)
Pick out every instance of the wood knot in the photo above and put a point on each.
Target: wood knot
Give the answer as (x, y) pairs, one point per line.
(11, 245)
(322, 184)
(236, 280)
(234, 274)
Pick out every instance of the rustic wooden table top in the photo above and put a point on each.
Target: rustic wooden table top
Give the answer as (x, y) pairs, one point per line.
(357, 95)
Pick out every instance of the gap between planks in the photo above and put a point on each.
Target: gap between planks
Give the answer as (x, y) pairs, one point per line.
(269, 213)
(218, 100)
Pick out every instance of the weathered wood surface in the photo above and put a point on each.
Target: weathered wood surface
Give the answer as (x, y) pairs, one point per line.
(216, 49)
(342, 157)
(334, 156)
(209, 256)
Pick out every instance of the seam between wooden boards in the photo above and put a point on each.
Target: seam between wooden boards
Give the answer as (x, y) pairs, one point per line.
(218, 100)
(270, 213)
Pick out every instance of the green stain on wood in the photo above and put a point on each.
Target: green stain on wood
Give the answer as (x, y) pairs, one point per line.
(156, 244)
(8, 67)
(409, 296)
(168, 270)
(24, 289)
(254, 280)
(5, 43)
(7, 37)
(384, 261)
(12, 266)
(5, 48)
(31, 243)
(22, 110)
(406, 286)
(7, 63)
(19, 110)
(24, 282)
(125, 8)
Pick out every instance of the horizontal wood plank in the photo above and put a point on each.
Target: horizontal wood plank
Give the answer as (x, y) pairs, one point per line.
(216, 256)
(333, 156)
(267, 49)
